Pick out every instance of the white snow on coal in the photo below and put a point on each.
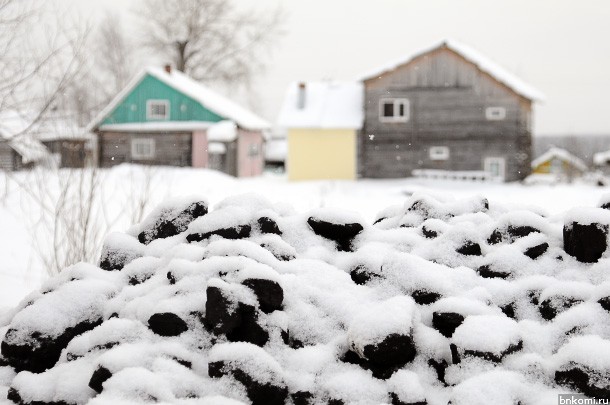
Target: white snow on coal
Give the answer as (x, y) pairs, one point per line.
(245, 301)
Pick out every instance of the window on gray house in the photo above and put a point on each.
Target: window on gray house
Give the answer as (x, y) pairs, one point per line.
(394, 110)
(142, 148)
(495, 113)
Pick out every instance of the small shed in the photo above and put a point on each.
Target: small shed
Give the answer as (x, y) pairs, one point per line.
(69, 144)
(559, 162)
(18, 148)
(322, 120)
(164, 117)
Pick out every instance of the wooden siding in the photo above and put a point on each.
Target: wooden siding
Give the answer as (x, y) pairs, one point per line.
(182, 108)
(448, 97)
(7, 157)
(171, 149)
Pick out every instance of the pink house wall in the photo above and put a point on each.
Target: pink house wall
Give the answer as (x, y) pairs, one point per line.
(248, 164)
(200, 149)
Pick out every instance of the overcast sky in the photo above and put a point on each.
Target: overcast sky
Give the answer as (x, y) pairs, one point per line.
(560, 47)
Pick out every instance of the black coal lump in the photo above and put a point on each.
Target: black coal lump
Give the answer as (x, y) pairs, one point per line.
(470, 248)
(235, 232)
(509, 310)
(394, 351)
(342, 234)
(551, 307)
(446, 322)
(99, 377)
(605, 303)
(115, 257)
(428, 233)
(425, 297)
(385, 357)
(167, 324)
(39, 352)
(220, 316)
(170, 225)
(248, 330)
(259, 393)
(302, 398)
(268, 225)
(361, 275)
(536, 251)
(486, 271)
(269, 293)
(493, 357)
(587, 243)
(584, 380)
(236, 320)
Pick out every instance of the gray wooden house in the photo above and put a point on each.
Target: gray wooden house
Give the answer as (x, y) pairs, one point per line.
(18, 148)
(448, 108)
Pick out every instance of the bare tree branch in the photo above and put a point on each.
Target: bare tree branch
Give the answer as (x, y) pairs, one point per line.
(209, 39)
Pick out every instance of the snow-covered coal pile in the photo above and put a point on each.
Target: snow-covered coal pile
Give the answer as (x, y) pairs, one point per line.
(436, 302)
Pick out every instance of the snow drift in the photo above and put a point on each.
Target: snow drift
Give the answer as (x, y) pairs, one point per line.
(436, 302)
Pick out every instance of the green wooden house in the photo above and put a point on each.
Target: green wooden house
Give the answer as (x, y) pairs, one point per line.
(163, 117)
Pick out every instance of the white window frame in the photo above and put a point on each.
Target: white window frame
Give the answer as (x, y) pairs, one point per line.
(489, 161)
(397, 102)
(439, 153)
(495, 113)
(140, 155)
(149, 113)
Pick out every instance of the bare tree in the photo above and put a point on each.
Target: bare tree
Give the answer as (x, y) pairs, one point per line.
(114, 53)
(209, 39)
(41, 56)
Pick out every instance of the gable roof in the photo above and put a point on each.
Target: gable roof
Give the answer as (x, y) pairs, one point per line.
(182, 83)
(14, 129)
(326, 105)
(561, 154)
(482, 62)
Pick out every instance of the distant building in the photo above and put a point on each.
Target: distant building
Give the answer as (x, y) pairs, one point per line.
(559, 163)
(18, 148)
(446, 108)
(164, 117)
(322, 120)
(70, 145)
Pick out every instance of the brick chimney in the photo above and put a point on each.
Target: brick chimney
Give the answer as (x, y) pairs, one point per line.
(168, 68)
(301, 95)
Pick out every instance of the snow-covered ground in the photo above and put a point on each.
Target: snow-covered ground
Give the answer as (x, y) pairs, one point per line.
(22, 269)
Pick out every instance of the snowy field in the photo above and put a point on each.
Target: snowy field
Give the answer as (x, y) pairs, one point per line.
(127, 192)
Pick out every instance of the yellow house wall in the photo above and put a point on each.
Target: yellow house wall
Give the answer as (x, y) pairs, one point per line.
(321, 154)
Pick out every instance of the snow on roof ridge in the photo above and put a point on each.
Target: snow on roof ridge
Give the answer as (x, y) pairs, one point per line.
(328, 104)
(210, 99)
(206, 97)
(562, 154)
(481, 61)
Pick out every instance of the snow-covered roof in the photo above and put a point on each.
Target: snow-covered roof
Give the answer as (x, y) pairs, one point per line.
(56, 127)
(601, 158)
(161, 126)
(325, 105)
(472, 55)
(562, 154)
(217, 148)
(208, 98)
(223, 131)
(15, 129)
(276, 150)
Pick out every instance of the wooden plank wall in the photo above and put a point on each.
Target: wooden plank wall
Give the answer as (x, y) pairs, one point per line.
(172, 149)
(6, 156)
(448, 97)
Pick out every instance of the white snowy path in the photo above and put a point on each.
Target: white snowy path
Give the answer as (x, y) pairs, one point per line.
(21, 270)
